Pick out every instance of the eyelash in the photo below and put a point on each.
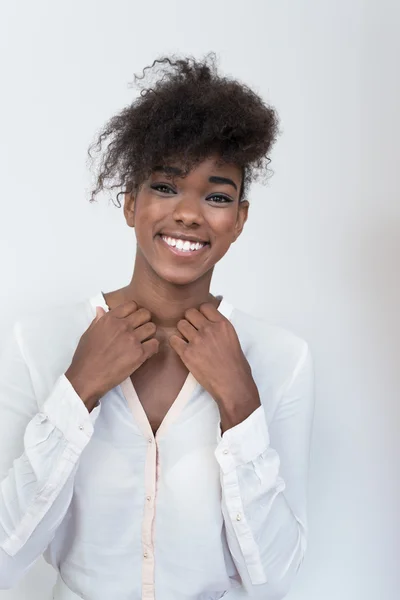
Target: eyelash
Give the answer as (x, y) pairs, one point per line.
(222, 199)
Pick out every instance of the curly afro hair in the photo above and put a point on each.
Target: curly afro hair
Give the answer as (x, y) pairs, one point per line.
(186, 112)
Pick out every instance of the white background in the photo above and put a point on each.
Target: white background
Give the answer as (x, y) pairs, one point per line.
(321, 249)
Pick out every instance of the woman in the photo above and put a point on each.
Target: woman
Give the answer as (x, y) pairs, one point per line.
(154, 439)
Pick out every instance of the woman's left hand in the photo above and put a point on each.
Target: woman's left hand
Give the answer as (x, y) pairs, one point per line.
(210, 349)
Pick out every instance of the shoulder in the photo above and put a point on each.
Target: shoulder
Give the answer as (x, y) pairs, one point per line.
(275, 354)
(48, 338)
(258, 335)
(56, 323)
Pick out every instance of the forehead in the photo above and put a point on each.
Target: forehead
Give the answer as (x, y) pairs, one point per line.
(209, 166)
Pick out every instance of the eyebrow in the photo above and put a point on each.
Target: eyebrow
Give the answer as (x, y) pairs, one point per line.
(217, 179)
(213, 179)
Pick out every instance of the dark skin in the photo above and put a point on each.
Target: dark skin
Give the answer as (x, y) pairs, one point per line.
(175, 288)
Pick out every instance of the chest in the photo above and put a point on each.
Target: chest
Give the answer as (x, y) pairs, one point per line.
(124, 490)
(157, 384)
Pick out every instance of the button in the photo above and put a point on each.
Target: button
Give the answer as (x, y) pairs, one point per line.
(226, 451)
(150, 440)
(81, 427)
(238, 517)
(145, 554)
(148, 498)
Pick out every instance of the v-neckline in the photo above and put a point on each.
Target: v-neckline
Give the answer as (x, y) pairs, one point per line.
(184, 394)
(177, 406)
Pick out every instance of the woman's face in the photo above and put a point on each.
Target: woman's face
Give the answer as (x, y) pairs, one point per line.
(185, 225)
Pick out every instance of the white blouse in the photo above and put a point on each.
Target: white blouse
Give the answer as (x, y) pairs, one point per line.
(123, 514)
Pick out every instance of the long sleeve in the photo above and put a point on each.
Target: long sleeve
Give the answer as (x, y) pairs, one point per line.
(39, 453)
(264, 471)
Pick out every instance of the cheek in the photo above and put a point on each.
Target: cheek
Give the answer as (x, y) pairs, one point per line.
(224, 225)
(147, 215)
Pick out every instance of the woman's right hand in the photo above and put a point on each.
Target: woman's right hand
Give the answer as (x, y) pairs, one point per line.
(115, 345)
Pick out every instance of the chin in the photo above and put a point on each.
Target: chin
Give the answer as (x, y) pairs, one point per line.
(180, 276)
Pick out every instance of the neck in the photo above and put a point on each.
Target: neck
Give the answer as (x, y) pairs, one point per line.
(166, 301)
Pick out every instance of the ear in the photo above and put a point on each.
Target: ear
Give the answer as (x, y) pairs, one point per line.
(241, 219)
(129, 208)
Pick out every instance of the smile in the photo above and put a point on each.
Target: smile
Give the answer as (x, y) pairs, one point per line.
(179, 246)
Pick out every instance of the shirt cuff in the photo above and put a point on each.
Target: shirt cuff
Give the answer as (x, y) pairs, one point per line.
(67, 412)
(243, 442)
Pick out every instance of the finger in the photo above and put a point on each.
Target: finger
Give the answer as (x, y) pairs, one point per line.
(193, 316)
(151, 347)
(144, 332)
(139, 317)
(210, 312)
(177, 344)
(123, 310)
(99, 313)
(187, 330)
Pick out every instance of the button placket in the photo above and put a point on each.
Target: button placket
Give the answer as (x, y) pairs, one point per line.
(148, 517)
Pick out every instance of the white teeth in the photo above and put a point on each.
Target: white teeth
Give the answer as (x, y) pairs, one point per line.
(183, 245)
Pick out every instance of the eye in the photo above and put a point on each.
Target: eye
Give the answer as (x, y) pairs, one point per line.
(163, 188)
(219, 199)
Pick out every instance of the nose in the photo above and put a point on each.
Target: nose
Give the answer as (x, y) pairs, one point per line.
(187, 211)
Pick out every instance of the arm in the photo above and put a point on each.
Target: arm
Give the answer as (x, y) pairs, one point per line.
(264, 479)
(39, 453)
